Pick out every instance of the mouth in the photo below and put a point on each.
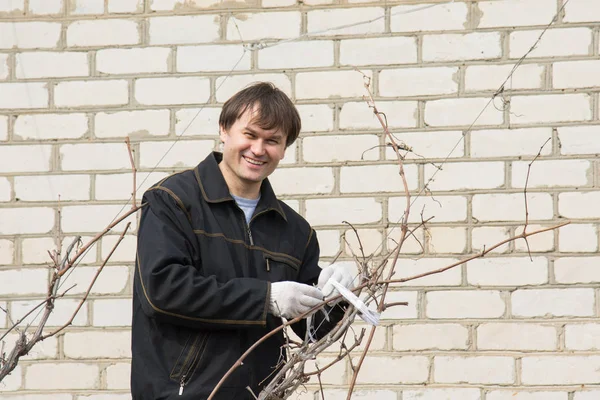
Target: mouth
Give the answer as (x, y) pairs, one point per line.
(252, 161)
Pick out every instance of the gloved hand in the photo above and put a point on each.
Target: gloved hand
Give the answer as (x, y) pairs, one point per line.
(336, 273)
(291, 299)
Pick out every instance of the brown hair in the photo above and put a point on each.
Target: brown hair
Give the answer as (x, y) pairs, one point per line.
(275, 110)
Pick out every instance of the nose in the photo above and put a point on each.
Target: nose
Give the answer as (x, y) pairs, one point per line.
(258, 148)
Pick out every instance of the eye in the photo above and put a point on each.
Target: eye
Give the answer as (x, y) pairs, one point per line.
(250, 135)
(273, 141)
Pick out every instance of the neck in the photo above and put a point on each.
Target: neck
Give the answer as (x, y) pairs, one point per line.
(237, 187)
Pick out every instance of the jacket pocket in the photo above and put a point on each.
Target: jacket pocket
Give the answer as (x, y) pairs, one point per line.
(189, 359)
(280, 267)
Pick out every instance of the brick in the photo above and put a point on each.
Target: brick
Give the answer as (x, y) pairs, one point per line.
(413, 244)
(334, 211)
(516, 336)
(51, 187)
(272, 25)
(45, 7)
(185, 153)
(23, 95)
(511, 207)
(578, 238)
(105, 397)
(92, 218)
(24, 281)
(117, 376)
(516, 13)
(13, 382)
(582, 11)
(278, 3)
(575, 74)
(447, 240)
(443, 208)
(125, 6)
(213, 58)
(340, 148)
(480, 369)
(409, 268)
(4, 67)
(184, 29)
(587, 395)
(359, 179)
(582, 336)
(410, 311)
(63, 310)
(91, 93)
(3, 127)
(358, 115)
(83, 7)
(165, 5)
(554, 43)
(197, 121)
(408, 369)
(126, 250)
(51, 64)
(160, 91)
(514, 395)
(5, 189)
(120, 186)
(319, 21)
(133, 61)
(560, 370)
(576, 270)
(540, 242)
(492, 77)
(462, 304)
(341, 394)
(333, 376)
(29, 35)
(579, 204)
(487, 237)
(6, 253)
(329, 242)
(35, 250)
(14, 7)
(293, 180)
(112, 280)
(454, 47)
(327, 84)
(552, 173)
(50, 126)
(418, 81)
(92, 156)
(410, 18)
(550, 108)
(132, 123)
(465, 175)
(100, 33)
(62, 376)
(370, 241)
(427, 144)
(376, 51)
(465, 111)
(510, 142)
(430, 337)
(578, 140)
(16, 221)
(112, 312)
(227, 87)
(309, 54)
(97, 344)
(46, 349)
(25, 158)
(438, 394)
(553, 302)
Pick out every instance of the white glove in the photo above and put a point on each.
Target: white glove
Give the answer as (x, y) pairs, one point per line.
(291, 299)
(336, 273)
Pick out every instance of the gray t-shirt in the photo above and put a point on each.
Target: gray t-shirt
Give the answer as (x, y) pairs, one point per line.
(247, 205)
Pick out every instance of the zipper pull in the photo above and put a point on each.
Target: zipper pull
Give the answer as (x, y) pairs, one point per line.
(250, 236)
(268, 266)
(181, 385)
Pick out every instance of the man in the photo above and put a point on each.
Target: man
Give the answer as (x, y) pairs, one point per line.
(220, 261)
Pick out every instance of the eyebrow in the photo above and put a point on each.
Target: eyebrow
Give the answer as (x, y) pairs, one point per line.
(275, 136)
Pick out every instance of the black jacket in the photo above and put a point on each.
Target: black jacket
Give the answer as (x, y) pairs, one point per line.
(202, 283)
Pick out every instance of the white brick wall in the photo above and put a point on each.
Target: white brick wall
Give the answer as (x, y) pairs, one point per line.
(78, 77)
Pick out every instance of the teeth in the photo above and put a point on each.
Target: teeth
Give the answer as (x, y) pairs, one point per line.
(253, 162)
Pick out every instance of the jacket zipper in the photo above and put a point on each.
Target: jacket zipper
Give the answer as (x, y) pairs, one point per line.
(190, 368)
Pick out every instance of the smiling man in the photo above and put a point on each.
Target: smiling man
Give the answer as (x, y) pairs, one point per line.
(220, 260)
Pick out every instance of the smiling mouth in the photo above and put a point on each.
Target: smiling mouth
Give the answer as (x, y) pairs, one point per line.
(254, 162)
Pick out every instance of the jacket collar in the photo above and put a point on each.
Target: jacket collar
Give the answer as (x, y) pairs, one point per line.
(215, 190)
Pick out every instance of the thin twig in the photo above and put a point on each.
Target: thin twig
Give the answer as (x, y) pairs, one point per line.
(130, 151)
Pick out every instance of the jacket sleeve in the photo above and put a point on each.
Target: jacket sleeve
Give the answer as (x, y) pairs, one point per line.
(171, 289)
(309, 274)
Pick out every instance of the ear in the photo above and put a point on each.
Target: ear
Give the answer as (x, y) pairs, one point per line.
(223, 134)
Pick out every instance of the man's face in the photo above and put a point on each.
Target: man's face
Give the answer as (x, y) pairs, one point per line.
(250, 154)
